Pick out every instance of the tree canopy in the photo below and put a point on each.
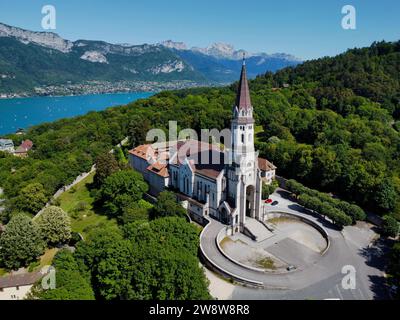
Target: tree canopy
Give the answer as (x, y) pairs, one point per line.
(120, 190)
(331, 123)
(54, 225)
(145, 260)
(70, 283)
(167, 205)
(21, 243)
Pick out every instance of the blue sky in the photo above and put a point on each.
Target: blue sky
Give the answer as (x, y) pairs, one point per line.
(307, 29)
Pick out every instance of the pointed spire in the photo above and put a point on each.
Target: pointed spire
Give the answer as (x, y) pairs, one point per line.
(243, 95)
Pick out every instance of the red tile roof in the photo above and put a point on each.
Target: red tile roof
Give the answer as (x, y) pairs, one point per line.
(141, 151)
(24, 147)
(20, 279)
(265, 165)
(159, 169)
(194, 151)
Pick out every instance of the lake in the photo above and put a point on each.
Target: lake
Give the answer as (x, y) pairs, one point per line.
(26, 112)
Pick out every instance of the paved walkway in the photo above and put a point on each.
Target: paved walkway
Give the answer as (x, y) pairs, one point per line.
(60, 191)
(1, 200)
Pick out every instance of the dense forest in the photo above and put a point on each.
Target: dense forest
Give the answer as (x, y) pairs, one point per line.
(332, 124)
(337, 125)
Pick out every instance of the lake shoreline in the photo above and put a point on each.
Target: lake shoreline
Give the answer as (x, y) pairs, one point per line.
(25, 112)
(74, 95)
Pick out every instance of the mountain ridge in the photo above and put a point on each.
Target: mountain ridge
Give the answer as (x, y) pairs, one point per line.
(32, 61)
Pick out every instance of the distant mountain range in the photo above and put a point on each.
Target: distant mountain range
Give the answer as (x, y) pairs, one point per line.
(31, 60)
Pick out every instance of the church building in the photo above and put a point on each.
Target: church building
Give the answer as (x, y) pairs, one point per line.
(229, 189)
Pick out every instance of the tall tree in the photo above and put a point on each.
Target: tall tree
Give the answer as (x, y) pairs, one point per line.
(167, 206)
(390, 226)
(386, 195)
(107, 257)
(54, 225)
(31, 198)
(121, 189)
(21, 243)
(138, 128)
(106, 165)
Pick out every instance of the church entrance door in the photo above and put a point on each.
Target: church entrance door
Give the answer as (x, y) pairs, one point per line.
(224, 216)
(250, 190)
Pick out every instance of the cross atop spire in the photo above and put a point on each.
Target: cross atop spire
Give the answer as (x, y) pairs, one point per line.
(243, 95)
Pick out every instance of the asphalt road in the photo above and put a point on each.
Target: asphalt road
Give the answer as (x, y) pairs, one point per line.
(323, 280)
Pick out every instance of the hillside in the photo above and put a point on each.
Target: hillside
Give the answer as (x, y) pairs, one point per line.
(29, 60)
(352, 152)
(26, 66)
(372, 73)
(226, 69)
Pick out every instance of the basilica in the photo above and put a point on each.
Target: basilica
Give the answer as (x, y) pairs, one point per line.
(229, 187)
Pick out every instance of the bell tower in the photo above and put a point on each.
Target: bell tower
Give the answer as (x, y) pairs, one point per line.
(242, 125)
(243, 175)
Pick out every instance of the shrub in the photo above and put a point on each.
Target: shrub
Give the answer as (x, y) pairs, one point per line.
(390, 226)
(337, 216)
(81, 206)
(295, 187)
(326, 203)
(268, 189)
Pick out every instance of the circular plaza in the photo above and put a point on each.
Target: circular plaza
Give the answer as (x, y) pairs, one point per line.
(286, 243)
(293, 249)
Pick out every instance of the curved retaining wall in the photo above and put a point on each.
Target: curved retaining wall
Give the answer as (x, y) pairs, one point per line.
(221, 235)
(213, 266)
(275, 214)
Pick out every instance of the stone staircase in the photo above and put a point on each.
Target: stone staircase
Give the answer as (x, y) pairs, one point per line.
(257, 230)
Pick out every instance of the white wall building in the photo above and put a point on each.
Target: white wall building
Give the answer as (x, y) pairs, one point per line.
(17, 287)
(224, 184)
(6, 145)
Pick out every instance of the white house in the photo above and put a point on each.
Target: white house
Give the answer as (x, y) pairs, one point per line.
(6, 145)
(17, 287)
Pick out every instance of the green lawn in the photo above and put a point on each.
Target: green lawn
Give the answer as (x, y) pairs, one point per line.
(79, 196)
(45, 260)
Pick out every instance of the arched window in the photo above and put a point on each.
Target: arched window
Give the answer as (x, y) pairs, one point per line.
(242, 138)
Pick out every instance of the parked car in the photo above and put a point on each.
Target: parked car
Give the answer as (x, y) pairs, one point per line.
(274, 203)
(291, 268)
(268, 201)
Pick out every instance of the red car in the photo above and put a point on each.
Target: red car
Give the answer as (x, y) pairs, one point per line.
(268, 201)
